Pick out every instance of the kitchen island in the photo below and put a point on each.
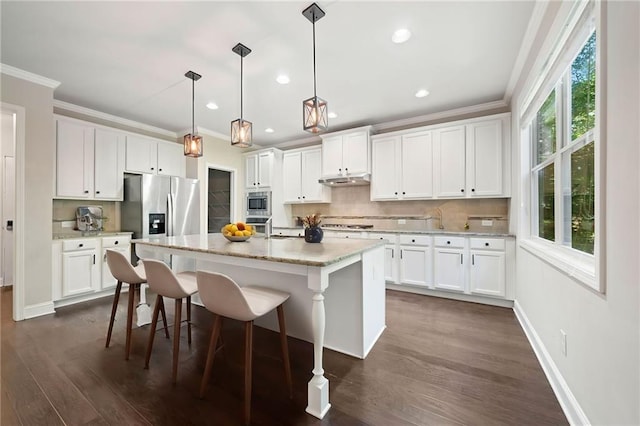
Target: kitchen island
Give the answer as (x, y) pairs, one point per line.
(337, 288)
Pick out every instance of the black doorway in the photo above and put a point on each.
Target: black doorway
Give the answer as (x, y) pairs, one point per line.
(218, 200)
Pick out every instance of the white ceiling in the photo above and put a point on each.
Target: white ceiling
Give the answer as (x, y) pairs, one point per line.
(128, 59)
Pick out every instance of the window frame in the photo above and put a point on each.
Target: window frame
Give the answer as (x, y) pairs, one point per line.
(587, 269)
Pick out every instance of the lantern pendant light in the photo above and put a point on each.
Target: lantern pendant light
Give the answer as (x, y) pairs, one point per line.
(193, 142)
(241, 129)
(315, 109)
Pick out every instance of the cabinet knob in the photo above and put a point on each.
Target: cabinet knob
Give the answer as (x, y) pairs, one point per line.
(86, 192)
(448, 242)
(340, 170)
(473, 190)
(298, 198)
(486, 244)
(346, 169)
(153, 168)
(97, 192)
(80, 245)
(303, 197)
(462, 190)
(413, 241)
(254, 183)
(403, 193)
(116, 243)
(258, 183)
(396, 193)
(159, 170)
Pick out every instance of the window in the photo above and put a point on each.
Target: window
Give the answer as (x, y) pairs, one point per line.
(560, 118)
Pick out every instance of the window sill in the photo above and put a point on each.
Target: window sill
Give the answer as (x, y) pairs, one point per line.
(577, 266)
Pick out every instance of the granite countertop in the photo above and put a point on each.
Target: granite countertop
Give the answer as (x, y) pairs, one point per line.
(88, 234)
(408, 231)
(285, 250)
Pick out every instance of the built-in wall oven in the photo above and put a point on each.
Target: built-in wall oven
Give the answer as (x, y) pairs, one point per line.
(258, 209)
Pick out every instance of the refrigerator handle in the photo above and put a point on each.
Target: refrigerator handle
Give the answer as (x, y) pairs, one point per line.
(169, 215)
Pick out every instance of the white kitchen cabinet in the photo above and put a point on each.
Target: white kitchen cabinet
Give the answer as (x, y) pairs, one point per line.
(301, 171)
(401, 167)
(89, 161)
(449, 260)
(484, 159)
(449, 161)
(80, 267)
(147, 155)
(416, 266)
(391, 256)
(487, 270)
(259, 170)
(117, 243)
(346, 153)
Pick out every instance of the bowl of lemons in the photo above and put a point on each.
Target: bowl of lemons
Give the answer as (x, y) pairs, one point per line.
(237, 231)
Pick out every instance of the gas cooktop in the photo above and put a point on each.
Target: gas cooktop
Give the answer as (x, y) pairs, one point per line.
(346, 226)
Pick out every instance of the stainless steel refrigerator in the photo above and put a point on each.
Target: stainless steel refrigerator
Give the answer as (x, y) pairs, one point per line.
(160, 206)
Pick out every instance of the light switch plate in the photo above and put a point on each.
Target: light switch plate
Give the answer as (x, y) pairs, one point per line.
(402, 221)
(68, 224)
(486, 222)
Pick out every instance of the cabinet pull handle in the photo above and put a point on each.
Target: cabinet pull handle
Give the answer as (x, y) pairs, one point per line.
(461, 258)
(104, 258)
(94, 259)
(400, 254)
(473, 259)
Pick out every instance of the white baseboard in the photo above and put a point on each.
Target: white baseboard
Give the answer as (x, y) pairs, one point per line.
(504, 303)
(38, 310)
(567, 400)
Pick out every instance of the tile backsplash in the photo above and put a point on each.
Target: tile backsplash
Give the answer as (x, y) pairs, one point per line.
(65, 210)
(354, 201)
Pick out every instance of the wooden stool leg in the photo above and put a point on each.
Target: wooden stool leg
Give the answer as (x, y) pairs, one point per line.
(248, 348)
(285, 350)
(152, 330)
(114, 308)
(164, 317)
(176, 339)
(215, 333)
(189, 319)
(132, 292)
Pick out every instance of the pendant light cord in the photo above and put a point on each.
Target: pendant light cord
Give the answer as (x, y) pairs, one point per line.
(241, 79)
(193, 108)
(314, 55)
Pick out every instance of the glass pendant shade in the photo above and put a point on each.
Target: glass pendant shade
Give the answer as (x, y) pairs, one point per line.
(241, 133)
(315, 115)
(192, 145)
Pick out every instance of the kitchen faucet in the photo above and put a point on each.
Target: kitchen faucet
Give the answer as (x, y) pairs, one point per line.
(439, 213)
(268, 227)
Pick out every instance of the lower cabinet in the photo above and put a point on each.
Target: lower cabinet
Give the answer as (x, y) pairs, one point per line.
(390, 252)
(416, 260)
(449, 263)
(120, 244)
(487, 273)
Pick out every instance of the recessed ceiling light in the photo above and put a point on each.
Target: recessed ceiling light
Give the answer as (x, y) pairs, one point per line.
(422, 93)
(269, 130)
(283, 79)
(333, 115)
(212, 105)
(401, 35)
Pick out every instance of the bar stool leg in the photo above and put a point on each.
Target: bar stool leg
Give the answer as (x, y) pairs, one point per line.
(285, 350)
(114, 308)
(215, 334)
(176, 338)
(164, 316)
(152, 330)
(189, 319)
(132, 291)
(248, 349)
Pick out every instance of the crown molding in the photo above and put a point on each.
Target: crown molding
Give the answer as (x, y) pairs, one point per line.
(28, 76)
(537, 15)
(422, 119)
(299, 143)
(205, 131)
(112, 118)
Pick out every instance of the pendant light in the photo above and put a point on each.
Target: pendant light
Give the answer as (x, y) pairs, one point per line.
(241, 129)
(314, 110)
(193, 142)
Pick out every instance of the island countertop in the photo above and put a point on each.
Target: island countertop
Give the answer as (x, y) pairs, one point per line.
(289, 250)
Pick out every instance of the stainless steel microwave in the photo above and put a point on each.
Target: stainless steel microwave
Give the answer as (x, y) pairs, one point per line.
(259, 204)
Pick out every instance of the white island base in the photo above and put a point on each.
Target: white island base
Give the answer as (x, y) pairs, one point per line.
(337, 301)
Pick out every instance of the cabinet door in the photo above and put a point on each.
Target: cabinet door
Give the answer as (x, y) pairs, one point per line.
(416, 171)
(449, 269)
(487, 273)
(171, 159)
(415, 265)
(251, 171)
(79, 272)
(355, 153)
(449, 161)
(265, 169)
(332, 156)
(142, 155)
(108, 165)
(74, 160)
(292, 177)
(311, 190)
(384, 169)
(484, 158)
(108, 281)
(390, 264)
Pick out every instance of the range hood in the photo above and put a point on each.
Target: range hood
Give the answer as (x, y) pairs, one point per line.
(350, 180)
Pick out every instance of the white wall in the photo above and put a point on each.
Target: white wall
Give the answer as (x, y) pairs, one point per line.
(601, 368)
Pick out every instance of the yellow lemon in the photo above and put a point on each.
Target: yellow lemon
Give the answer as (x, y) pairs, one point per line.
(248, 228)
(238, 234)
(246, 233)
(233, 229)
(228, 227)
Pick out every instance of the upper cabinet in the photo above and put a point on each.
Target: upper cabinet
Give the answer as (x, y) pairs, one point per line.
(301, 170)
(147, 155)
(401, 167)
(259, 170)
(89, 161)
(346, 152)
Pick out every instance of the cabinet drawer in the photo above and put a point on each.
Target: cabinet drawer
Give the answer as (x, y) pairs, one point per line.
(120, 241)
(457, 242)
(391, 238)
(72, 245)
(416, 240)
(488, 243)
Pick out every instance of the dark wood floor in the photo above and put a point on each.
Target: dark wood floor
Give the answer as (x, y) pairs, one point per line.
(439, 362)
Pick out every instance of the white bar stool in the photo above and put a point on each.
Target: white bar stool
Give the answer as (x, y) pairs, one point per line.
(124, 272)
(222, 296)
(165, 283)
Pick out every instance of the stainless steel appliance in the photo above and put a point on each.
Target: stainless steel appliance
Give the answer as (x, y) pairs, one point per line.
(258, 204)
(160, 205)
(89, 218)
(355, 179)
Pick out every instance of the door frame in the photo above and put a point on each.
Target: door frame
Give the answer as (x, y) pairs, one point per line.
(18, 226)
(232, 198)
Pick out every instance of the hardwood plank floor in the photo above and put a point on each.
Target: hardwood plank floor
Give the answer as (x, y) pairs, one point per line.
(439, 362)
